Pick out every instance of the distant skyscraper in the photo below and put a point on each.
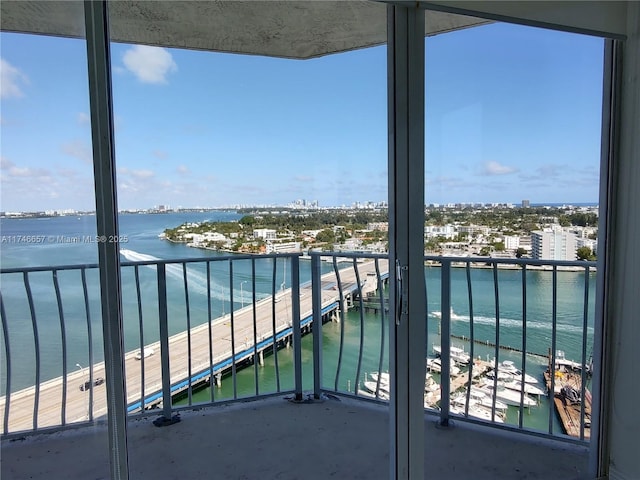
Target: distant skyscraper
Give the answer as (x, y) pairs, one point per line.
(525, 203)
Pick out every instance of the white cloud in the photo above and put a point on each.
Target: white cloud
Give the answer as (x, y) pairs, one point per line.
(5, 163)
(11, 79)
(142, 174)
(303, 178)
(149, 64)
(83, 118)
(494, 168)
(161, 154)
(12, 170)
(546, 173)
(138, 174)
(78, 149)
(183, 170)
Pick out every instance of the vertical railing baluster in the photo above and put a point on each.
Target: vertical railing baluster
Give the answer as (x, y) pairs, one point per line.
(141, 334)
(554, 325)
(209, 329)
(382, 324)
(471, 340)
(7, 353)
(256, 359)
(497, 349)
(188, 313)
(36, 339)
(87, 310)
(274, 326)
(63, 339)
(361, 344)
(524, 342)
(233, 332)
(341, 308)
(583, 373)
(164, 340)
(426, 322)
(316, 301)
(445, 342)
(297, 334)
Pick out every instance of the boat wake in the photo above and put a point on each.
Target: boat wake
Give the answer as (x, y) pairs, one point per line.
(511, 322)
(196, 281)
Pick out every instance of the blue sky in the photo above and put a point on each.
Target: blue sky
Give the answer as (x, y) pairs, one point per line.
(512, 113)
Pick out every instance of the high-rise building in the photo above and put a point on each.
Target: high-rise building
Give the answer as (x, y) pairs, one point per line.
(525, 204)
(553, 245)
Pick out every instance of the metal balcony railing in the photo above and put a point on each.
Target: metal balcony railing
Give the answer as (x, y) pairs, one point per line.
(204, 331)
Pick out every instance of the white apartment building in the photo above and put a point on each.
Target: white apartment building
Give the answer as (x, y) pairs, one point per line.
(382, 226)
(310, 233)
(264, 233)
(587, 242)
(284, 247)
(474, 229)
(446, 231)
(511, 242)
(198, 239)
(553, 244)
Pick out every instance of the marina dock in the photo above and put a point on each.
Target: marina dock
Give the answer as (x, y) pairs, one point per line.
(568, 411)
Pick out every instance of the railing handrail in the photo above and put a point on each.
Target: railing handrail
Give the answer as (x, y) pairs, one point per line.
(321, 286)
(350, 255)
(512, 261)
(159, 261)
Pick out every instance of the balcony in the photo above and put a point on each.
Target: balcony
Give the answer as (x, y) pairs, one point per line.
(290, 362)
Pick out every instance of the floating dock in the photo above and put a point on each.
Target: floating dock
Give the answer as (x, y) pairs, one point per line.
(570, 412)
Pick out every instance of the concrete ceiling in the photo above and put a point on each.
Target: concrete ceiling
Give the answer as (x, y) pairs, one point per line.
(291, 28)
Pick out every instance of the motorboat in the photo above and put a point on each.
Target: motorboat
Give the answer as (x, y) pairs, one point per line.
(457, 354)
(382, 376)
(363, 392)
(430, 385)
(452, 314)
(506, 395)
(477, 411)
(563, 364)
(529, 388)
(480, 397)
(507, 370)
(434, 365)
(382, 392)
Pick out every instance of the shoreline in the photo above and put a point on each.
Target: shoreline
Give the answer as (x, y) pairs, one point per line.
(481, 263)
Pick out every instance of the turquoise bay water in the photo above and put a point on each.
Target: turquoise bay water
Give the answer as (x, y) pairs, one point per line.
(142, 242)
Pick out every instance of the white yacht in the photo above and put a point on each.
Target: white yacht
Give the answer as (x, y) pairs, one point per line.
(510, 397)
(482, 398)
(529, 388)
(434, 365)
(507, 367)
(477, 411)
(563, 364)
(383, 376)
(383, 392)
(457, 354)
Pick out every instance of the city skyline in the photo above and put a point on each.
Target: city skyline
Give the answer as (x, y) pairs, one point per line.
(506, 120)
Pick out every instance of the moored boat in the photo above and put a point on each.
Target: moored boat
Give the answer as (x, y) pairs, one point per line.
(457, 354)
(434, 365)
(510, 397)
(508, 368)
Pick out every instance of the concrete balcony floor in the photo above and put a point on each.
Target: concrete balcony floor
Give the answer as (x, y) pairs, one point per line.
(271, 438)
